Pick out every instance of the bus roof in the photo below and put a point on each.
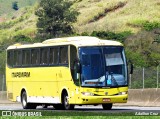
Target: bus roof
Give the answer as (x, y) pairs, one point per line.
(77, 41)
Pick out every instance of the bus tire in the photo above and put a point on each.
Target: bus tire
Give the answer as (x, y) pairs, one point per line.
(65, 102)
(107, 106)
(24, 102)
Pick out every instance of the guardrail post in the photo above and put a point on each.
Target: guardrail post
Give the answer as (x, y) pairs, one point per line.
(143, 77)
(3, 84)
(130, 78)
(157, 75)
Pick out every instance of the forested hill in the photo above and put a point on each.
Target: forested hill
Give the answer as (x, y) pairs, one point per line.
(136, 23)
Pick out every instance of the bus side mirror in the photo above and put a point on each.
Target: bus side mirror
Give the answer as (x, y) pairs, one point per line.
(78, 67)
(130, 67)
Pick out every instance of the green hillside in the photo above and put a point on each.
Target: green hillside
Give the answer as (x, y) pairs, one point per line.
(137, 20)
(19, 24)
(115, 15)
(6, 9)
(22, 23)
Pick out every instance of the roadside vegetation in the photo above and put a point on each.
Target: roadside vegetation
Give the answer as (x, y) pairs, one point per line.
(83, 115)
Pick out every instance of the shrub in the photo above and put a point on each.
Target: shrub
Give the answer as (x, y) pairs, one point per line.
(84, 34)
(111, 35)
(137, 58)
(22, 38)
(151, 25)
(15, 5)
(145, 24)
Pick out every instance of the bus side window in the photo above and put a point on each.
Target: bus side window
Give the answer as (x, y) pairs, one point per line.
(26, 57)
(44, 56)
(53, 56)
(17, 58)
(63, 55)
(10, 58)
(35, 56)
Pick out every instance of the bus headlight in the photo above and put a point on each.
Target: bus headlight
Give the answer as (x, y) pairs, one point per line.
(87, 93)
(122, 93)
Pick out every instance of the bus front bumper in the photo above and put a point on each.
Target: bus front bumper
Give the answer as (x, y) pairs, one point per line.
(102, 99)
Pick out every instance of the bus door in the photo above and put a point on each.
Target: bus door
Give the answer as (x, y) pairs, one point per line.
(75, 75)
(63, 69)
(9, 76)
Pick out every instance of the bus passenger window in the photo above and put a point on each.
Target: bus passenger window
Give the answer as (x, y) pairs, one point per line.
(17, 58)
(53, 56)
(35, 56)
(9, 58)
(63, 55)
(26, 57)
(44, 56)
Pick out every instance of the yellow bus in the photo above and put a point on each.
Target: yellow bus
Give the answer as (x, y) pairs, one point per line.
(65, 72)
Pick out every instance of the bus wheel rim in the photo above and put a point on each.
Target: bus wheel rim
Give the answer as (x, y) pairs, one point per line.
(24, 101)
(66, 102)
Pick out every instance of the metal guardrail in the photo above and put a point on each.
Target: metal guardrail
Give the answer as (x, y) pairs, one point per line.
(143, 78)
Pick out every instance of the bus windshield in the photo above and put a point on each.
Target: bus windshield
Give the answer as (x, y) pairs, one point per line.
(103, 66)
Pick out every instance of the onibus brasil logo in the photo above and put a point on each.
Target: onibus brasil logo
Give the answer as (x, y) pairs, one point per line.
(18, 113)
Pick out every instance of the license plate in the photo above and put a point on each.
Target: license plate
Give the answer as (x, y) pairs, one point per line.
(106, 99)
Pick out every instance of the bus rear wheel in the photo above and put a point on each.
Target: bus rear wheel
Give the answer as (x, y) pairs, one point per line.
(24, 102)
(65, 102)
(107, 106)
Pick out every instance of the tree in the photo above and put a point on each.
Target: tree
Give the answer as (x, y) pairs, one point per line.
(55, 18)
(15, 5)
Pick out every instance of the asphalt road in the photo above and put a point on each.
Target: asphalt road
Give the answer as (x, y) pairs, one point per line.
(87, 108)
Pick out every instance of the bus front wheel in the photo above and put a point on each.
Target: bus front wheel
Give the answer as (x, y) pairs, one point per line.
(24, 102)
(65, 102)
(107, 106)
